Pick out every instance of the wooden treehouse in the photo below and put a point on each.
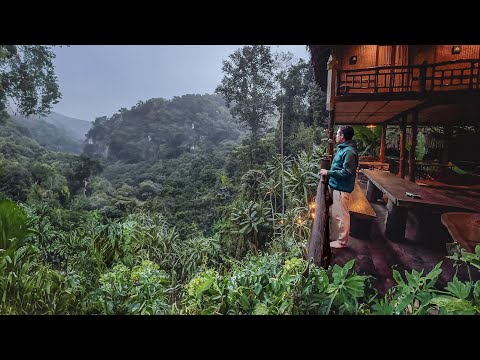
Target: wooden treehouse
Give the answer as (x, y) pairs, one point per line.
(407, 86)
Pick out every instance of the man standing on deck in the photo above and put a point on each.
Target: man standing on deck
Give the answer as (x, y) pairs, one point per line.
(341, 183)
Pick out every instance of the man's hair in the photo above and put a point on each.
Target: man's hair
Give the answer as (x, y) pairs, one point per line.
(347, 131)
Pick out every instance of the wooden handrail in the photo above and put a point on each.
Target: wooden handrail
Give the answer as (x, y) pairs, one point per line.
(416, 78)
(394, 67)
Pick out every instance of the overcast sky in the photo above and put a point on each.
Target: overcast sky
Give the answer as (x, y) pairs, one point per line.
(98, 80)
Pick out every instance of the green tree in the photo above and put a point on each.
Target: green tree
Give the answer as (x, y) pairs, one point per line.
(298, 101)
(15, 181)
(248, 87)
(84, 168)
(27, 77)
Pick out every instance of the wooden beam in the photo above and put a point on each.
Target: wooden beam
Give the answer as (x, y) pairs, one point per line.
(403, 134)
(386, 96)
(413, 146)
(383, 140)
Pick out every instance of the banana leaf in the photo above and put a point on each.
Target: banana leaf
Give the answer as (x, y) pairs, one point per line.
(421, 148)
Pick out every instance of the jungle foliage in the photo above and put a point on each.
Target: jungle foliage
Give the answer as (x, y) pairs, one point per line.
(173, 209)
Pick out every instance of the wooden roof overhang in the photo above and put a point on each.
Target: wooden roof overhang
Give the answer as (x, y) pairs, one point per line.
(319, 57)
(367, 112)
(438, 109)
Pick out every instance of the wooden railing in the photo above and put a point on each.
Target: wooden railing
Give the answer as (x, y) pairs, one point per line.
(423, 169)
(448, 75)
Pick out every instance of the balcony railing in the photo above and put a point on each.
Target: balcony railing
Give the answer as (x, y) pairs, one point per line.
(448, 75)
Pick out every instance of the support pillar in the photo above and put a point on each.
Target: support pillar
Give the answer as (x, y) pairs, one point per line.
(403, 134)
(413, 145)
(383, 140)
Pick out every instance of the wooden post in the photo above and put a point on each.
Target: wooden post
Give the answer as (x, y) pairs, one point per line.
(403, 133)
(447, 134)
(413, 144)
(324, 259)
(422, 78)
(375, 84)
(383, 143)
(319, 244)
(331, 136)
(333, 81)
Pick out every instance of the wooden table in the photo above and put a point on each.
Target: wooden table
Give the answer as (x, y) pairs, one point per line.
(464, 228)
(429, 206)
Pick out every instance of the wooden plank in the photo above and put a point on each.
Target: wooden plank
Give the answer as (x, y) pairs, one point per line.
(395, 187)
(359, 204)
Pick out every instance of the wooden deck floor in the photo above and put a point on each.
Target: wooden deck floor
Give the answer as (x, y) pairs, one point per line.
(377, 255)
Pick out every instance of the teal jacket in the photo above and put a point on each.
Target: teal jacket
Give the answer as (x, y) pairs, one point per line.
(344, 167)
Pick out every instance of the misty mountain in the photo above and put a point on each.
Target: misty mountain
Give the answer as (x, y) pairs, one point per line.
(55, 131)
(163, 129)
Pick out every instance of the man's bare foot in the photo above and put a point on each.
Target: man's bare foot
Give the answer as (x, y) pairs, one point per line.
(337, 244)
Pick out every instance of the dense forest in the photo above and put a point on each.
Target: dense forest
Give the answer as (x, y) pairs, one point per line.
(196, 205)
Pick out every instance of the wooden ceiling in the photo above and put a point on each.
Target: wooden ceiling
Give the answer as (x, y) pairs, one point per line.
(371, 112)
(454, 110)
(450, 114)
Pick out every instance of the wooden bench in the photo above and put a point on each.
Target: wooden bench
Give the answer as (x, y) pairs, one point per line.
(361, 214)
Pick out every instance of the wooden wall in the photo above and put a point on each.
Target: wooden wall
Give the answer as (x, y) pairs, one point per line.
(401, 55)
(387, 55)
(440, 53)
(420, 53)
(373, 55)
(444, 52)
(366, 56)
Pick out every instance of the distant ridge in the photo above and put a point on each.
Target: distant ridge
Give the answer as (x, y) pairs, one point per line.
(75, 128)
(55, 131)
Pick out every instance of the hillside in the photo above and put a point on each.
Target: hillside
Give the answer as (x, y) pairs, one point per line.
(55, 131)
(163, 129)
(170, 154)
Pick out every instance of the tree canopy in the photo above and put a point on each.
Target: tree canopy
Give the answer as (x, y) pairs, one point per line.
(28, 78)
(248, 86)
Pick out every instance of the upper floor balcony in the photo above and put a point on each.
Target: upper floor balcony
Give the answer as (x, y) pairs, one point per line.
(412, 80)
